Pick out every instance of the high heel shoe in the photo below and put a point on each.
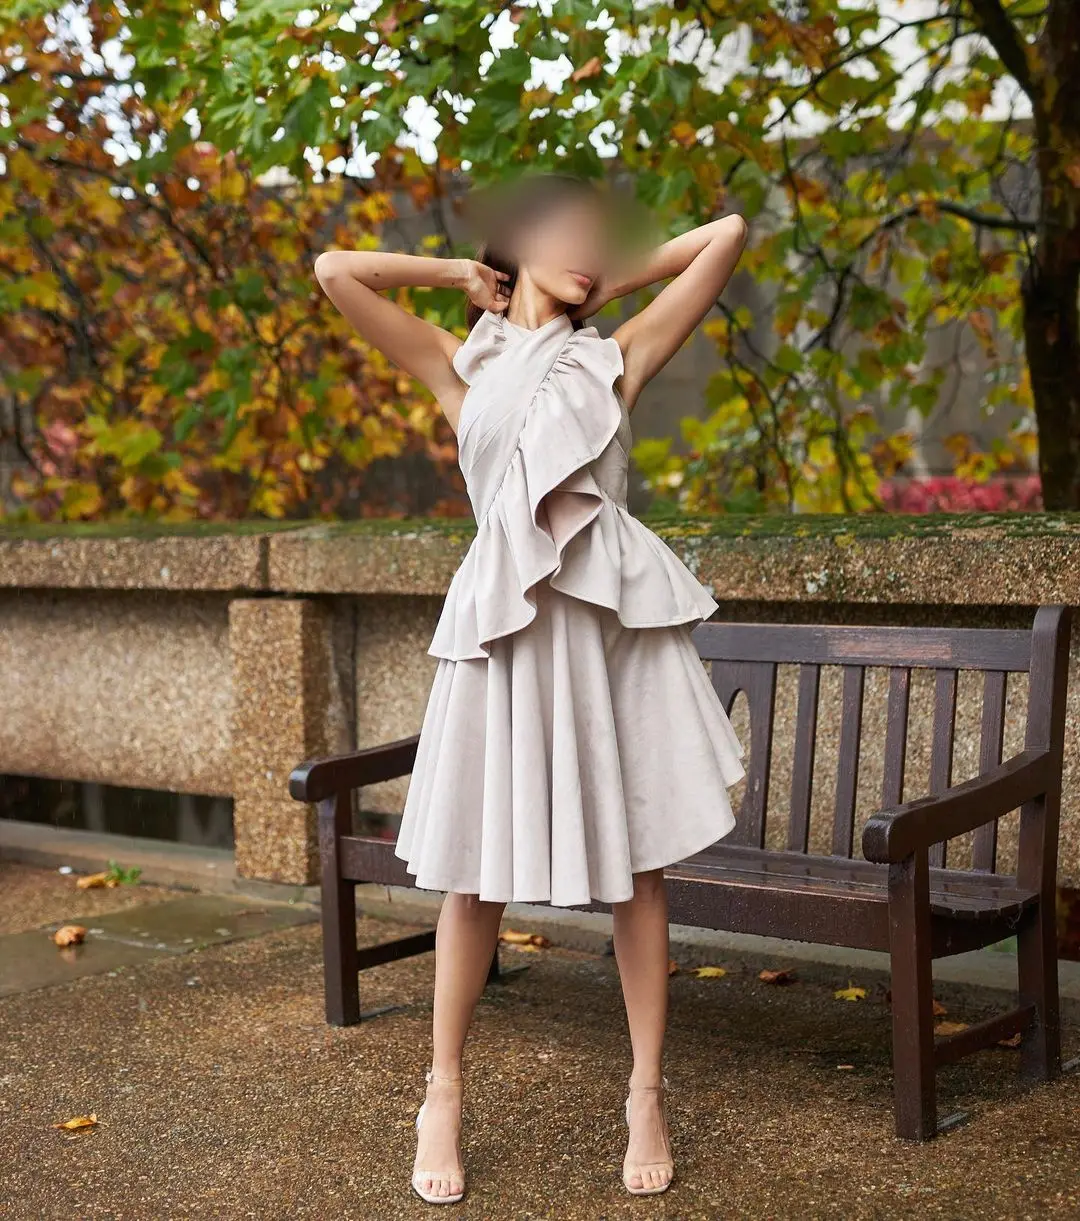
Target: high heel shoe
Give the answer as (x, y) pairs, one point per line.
(641, 1169)
(418, 1176)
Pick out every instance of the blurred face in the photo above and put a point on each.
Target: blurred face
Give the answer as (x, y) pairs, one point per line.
(564, 253)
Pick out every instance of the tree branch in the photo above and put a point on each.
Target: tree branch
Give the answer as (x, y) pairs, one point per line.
(1007, 41)
(1009, 223)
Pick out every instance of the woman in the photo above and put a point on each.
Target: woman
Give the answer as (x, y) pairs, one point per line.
(572, 744)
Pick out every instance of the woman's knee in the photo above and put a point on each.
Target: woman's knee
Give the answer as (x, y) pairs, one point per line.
(649, 886)
(472, 906)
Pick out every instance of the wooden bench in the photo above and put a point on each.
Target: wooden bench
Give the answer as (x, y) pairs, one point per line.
(901, 896)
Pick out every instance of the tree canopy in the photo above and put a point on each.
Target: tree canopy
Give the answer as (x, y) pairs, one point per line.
(910, 170)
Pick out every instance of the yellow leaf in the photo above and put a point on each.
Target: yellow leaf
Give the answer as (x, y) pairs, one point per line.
(80, 1121)
(850, 993)
(709, 972)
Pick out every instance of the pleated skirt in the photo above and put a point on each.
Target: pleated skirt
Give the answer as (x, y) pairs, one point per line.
(578, 753)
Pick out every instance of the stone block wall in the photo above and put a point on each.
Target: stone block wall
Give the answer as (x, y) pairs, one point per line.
(215, 662)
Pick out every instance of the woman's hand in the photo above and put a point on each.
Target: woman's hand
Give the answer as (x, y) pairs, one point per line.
(485, 287)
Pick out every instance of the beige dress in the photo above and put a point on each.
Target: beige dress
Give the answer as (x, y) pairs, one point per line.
(572, 736)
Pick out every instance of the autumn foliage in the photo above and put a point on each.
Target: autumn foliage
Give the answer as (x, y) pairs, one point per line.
(911, 176)
(164, 346)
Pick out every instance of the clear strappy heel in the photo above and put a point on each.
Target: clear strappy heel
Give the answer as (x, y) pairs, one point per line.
(419, 1176)
(641, 1169)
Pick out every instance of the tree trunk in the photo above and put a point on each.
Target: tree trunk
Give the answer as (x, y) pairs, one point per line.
(1051, 288)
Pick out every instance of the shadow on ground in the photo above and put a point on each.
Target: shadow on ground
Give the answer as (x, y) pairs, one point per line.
(222, 1093)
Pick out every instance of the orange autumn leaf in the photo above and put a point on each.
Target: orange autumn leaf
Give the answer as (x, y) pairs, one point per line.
(80, 1121)
(672, 966)
(513, 937)
(782, 976)
(92, 880)
(1012, 1041)
(70, 934)
(683, 133)
(947, 1028)
(590, 68)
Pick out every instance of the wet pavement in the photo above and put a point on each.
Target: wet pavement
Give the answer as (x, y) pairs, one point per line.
(220, 1092)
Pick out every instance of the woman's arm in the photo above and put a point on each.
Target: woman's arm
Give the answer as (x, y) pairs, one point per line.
(353, 280)
(702, 262)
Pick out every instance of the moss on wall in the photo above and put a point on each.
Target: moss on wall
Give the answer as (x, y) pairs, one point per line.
(838, 527)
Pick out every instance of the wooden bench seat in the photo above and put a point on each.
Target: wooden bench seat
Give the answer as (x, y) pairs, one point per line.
(901, 895)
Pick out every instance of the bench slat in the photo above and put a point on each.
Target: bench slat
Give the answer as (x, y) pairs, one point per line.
(961, 648)
(802, 776)
(847, 770)
(941, 752)
(757, 681)
(992, 739)
(892, 788)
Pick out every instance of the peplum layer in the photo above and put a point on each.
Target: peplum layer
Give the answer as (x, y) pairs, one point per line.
(548, 518)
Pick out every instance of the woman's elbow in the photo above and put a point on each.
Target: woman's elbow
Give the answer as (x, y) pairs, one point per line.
(740, 230)
(326, 266)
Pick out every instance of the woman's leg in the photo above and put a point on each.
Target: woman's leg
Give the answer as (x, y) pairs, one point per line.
(641, 951)
(465, 940)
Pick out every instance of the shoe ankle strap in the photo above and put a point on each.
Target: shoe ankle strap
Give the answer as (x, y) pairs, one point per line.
(645, 1088)
(430, 1076)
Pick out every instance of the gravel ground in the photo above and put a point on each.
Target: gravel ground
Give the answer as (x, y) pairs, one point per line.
(221, 1092)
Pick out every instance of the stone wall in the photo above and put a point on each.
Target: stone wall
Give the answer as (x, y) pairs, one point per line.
(205, 661)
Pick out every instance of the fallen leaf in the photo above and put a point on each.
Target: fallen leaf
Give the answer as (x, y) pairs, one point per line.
(525, 947)
(946, 1028)
(1012, 1041)
(95, 879)
(513, 937)
(783, 976)
(850, 993)
(70, 934)
(672, 966)
(709, 972)
(845, 1066)
(80, 1121)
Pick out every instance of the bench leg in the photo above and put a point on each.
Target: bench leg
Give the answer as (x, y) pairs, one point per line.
(1037, 967)
(340, 959)
(914, 1084)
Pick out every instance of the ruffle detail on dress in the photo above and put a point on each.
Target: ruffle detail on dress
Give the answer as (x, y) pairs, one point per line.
(484, 342)
(547, 516)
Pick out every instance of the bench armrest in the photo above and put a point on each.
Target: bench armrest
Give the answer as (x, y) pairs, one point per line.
(318, 779)
(893, 835)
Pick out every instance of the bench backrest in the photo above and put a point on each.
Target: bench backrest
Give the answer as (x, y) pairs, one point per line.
(745, 658)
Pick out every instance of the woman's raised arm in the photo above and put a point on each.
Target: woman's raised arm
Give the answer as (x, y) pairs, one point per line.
(702, 262)
(354, 279)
